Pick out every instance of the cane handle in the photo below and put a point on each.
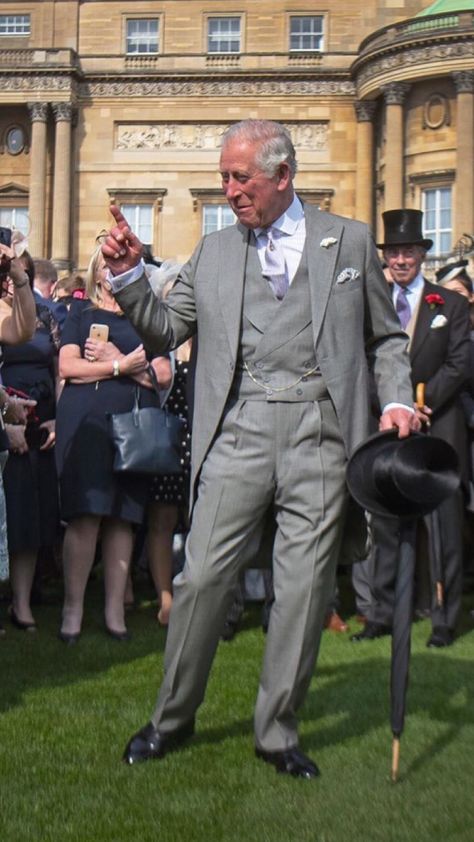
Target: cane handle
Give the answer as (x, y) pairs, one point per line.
(420, 395)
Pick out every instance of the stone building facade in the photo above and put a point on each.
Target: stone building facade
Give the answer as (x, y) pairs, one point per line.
(106, 100)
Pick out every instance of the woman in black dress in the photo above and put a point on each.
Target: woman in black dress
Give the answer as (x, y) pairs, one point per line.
(101, 378)
(30, 478)
(17, 324)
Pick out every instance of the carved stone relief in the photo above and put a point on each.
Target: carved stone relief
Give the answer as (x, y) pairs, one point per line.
(220, 88)
(415, 56)
(312, 136)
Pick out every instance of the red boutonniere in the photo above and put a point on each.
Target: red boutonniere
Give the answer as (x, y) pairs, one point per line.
(434, 300)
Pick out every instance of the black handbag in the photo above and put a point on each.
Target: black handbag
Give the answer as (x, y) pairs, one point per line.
(147, 440)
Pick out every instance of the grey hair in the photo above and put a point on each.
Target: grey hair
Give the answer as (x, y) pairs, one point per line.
(275, 142)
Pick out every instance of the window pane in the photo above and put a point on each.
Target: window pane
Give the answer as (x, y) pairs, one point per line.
(437, 224)
(306, 33)
(216, 217)
(14, 24)
(142, 35)
(140, 218)
(15, 218)
(223, 35)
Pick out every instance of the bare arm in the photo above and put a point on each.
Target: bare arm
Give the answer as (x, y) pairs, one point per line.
(18, 323)
(76, 369)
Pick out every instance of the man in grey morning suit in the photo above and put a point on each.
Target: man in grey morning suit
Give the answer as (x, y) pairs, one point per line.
(281, 399)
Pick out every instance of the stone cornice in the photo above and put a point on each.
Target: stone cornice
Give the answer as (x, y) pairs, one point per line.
(404, 53)
(28, 82)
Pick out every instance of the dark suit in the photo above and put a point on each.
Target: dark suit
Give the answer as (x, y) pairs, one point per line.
(440, 359)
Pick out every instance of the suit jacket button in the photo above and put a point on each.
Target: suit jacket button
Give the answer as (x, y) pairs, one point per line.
(299, 391)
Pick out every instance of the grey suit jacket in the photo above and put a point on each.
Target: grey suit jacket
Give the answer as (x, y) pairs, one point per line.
(355, 327)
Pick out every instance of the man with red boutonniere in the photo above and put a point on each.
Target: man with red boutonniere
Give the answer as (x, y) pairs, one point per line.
(437, 324)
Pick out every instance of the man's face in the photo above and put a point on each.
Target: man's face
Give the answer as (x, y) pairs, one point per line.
(404, 262)
(256, 199)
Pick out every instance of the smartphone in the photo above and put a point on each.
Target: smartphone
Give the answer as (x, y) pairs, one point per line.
(100, 332)
(5, 236)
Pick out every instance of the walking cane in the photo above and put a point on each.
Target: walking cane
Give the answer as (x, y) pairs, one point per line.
(436, 548)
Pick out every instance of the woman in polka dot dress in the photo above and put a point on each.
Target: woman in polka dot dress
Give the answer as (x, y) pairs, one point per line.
(170, 494)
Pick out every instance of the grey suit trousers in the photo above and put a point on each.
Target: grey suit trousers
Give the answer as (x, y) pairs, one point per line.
(291, 453)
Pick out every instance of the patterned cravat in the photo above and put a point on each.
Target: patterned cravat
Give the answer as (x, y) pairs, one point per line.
(403, 308)
(274, 266)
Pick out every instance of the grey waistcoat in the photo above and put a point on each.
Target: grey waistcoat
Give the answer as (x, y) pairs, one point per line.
(276, 358)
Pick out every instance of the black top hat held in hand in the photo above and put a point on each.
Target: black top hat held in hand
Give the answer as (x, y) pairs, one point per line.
(403, 478)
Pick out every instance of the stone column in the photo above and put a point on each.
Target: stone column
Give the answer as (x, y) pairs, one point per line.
(394, 95)
(464, 202)
(37, 204)
(365, 160)
(63, 113)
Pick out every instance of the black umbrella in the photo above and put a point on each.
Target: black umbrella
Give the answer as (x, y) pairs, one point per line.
(404, 479)
(401, 635)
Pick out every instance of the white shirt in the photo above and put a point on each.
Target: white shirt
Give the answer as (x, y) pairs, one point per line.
(290, 230)
(413, 292)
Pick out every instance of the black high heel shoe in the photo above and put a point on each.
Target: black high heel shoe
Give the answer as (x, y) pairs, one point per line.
(69, 639)
(19, 624)
(120, 637)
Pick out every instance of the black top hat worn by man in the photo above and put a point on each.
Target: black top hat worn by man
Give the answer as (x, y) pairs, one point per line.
(437, 323)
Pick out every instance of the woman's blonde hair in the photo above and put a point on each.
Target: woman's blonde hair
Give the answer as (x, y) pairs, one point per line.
(92, 287)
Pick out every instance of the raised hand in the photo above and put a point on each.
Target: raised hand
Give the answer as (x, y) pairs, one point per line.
(121, 249)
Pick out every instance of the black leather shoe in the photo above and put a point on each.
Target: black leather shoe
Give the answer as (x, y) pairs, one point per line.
(149, 744)
(290, 762)
(371, 631)
(440, 636)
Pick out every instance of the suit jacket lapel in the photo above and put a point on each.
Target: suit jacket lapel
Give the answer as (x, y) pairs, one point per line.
(321, 260)
(232, 260)
(424, 318)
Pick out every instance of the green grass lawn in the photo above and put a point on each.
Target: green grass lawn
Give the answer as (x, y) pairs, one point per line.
(67, 712)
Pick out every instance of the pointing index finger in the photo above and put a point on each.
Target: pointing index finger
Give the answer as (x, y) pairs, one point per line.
(119, 217)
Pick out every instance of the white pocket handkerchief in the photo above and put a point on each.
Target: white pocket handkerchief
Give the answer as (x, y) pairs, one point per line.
(348, 274)
(439, 321)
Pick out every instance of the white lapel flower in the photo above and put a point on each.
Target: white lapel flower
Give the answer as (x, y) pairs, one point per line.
(348, 274)
(328, 241)
(439, 321)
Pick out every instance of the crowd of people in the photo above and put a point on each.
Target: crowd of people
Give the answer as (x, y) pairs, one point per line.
(62, 500)
(283, 387)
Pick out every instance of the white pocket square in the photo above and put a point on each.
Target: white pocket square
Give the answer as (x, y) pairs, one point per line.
(348, 274)
(439, 321)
